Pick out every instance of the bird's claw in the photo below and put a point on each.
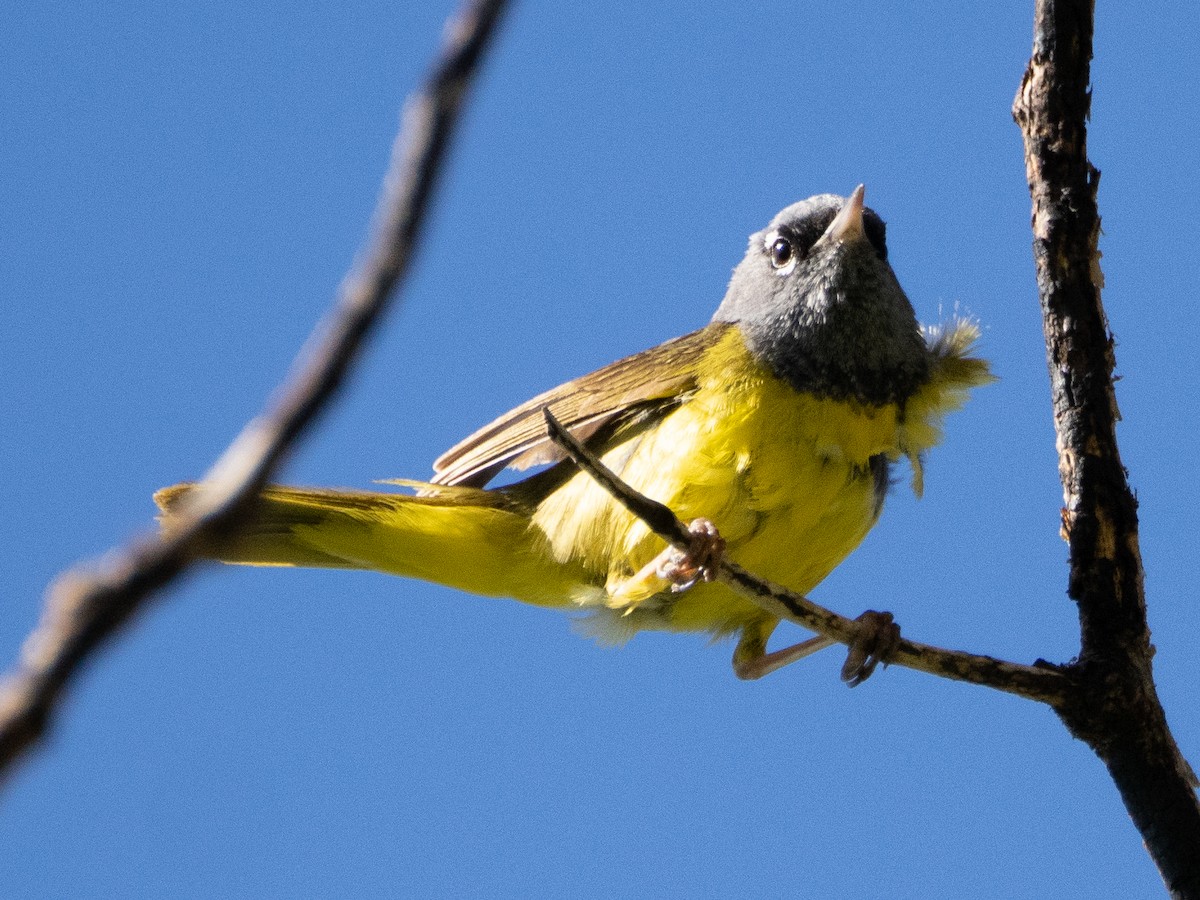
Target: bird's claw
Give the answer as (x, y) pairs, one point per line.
(878, 637)
(699, 562)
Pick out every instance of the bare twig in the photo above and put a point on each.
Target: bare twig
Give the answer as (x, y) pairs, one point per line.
(88, 604)
(657, 516)
(1117, 711)
(1038, 682)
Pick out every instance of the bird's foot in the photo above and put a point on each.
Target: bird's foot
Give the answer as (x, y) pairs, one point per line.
(878, 637)
(699, 562)
(673, 569)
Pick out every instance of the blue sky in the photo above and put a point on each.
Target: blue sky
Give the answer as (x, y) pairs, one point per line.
(184, 187)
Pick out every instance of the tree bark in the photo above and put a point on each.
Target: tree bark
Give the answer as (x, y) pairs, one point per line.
(1114, 707)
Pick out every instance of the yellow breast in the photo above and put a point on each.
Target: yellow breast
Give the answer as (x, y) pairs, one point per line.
(785, 477)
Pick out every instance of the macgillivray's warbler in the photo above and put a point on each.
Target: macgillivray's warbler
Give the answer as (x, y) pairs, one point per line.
(779, 422)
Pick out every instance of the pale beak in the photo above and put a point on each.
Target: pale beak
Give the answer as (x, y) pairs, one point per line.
(847, 226)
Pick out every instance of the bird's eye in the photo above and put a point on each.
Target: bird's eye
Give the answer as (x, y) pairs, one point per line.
(781, 252)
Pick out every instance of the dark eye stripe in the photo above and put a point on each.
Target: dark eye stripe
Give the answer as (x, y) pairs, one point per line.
(876, 233)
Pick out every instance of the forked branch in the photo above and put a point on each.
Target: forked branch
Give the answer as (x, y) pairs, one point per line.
(1116, 711)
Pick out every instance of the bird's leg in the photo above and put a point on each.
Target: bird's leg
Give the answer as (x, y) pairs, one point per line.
(877, 638)
(748, 665)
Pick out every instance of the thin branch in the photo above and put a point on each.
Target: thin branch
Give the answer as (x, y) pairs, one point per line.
(89, 603)
(657, 516)
(1041, 682)
(1117, 710)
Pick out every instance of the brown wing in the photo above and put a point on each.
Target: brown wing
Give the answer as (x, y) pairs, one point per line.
(644, 385)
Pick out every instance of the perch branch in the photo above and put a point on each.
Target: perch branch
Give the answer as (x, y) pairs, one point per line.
(1042, 682)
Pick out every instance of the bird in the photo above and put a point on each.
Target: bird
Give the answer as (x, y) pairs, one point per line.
(778, 425)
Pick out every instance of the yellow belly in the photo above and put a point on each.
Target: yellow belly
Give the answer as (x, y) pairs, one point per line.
(785, 477)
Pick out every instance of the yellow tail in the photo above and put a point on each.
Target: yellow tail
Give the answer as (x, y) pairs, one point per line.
(473, 540)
